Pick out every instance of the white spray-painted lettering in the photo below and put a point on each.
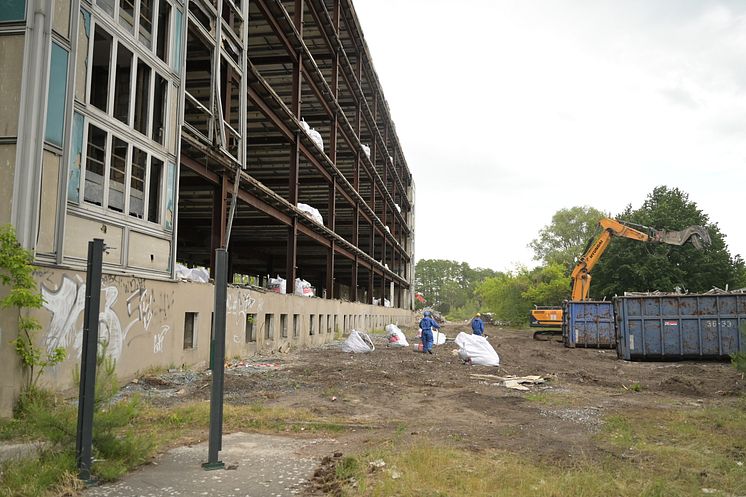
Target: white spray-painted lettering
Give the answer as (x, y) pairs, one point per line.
(159, 339)
(65, 304)
(238, 305)
(143, 298)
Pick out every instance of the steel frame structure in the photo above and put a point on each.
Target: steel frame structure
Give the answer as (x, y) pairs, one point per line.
(253, 72)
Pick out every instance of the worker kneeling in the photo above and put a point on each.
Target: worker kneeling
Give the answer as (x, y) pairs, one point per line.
(477, 325)
(427, 324)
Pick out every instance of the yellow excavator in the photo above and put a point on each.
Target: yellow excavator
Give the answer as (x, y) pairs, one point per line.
(580, 278)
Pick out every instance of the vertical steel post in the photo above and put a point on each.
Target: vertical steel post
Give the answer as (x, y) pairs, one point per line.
(87, 393)
(218, 370)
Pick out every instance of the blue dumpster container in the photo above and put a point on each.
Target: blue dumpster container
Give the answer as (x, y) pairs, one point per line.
(589, 324)
(670, 327)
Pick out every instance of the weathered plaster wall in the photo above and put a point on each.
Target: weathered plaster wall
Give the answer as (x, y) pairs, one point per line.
(142, 322)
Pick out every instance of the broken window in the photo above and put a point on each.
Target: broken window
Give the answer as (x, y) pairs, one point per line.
(168, 222)
(122, 84)
(160, 98)
(284, 325)
(99, 95)
(117, 174)
(95, 165)
(154, 190)
(107, 5)
(76, 159)
(127, 14)
(164, 21)
(141, 97)
(56, 95)
(177, 42)
(146, 23)
(190, 327)
(120, 170)
(137, 183)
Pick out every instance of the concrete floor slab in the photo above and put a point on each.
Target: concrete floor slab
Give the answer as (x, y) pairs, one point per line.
(263, 466)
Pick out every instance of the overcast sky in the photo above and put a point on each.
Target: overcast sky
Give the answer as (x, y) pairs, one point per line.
(510, 110)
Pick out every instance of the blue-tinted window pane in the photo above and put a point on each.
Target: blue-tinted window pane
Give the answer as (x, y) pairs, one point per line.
(12, 10)
(170, 194)
(56, 96)
(76, 155)
(177, 42)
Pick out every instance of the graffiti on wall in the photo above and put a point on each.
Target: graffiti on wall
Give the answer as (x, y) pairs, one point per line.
(238, 306)
(159, 339)
(67, 302)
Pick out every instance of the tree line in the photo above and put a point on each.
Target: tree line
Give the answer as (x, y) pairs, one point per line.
(459, 291)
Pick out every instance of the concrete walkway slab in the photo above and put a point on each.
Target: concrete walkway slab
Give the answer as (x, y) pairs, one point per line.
(264, 466)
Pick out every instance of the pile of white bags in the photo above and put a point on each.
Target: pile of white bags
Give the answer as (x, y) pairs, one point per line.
(277, 285)
(396, 336)
(313, 134)
(196, 274)
(358, 343)
(477, 350)
(311, 212)
(303, 288)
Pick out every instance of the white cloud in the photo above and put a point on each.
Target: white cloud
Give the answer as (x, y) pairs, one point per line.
(510, 110)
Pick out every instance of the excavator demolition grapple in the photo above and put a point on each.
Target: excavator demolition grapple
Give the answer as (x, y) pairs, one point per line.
(580, 278)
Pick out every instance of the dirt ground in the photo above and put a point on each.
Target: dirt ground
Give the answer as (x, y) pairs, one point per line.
(398, 391)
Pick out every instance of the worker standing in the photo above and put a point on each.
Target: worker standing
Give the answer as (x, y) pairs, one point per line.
(427, 324)
(477, 325)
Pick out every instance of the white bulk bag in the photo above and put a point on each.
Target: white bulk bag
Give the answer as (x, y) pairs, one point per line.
(311, 212)
(396, 337)
(303, 288)
(477, 350)
(358, 343)
(277, 285)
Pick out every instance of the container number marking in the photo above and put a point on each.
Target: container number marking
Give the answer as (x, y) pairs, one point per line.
(713, 323)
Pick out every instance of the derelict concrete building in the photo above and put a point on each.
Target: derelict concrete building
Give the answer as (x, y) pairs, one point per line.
(138, 121)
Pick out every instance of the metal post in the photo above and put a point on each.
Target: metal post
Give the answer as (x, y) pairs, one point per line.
(218, 370)
(87, 395)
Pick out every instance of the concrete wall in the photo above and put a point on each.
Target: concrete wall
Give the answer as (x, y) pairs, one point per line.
(143, 323)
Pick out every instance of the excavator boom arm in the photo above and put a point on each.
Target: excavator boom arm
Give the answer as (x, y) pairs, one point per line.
(581, 277)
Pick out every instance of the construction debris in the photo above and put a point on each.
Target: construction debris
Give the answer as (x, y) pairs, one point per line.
(511, 381)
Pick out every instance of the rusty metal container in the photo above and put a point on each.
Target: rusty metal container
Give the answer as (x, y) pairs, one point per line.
(671, 327)
(588, 324)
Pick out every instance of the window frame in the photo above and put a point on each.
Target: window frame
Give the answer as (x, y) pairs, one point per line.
(149, 142)
(114, 19)
(104, 207)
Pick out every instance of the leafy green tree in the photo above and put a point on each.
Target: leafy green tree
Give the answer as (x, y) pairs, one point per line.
(629, 265)
(447, 285)
(548, 285)
(16, 273)
(503, 295)
(511, 296)
(563, 240)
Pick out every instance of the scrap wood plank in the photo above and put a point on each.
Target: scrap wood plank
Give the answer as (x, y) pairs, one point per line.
(513, 382)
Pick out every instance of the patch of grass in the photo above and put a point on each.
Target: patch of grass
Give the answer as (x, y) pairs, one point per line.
(651, 453)
(191, 419)
(49, 474)
(126, 435)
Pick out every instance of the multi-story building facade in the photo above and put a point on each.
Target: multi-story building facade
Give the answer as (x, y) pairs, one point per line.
(141, 121)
